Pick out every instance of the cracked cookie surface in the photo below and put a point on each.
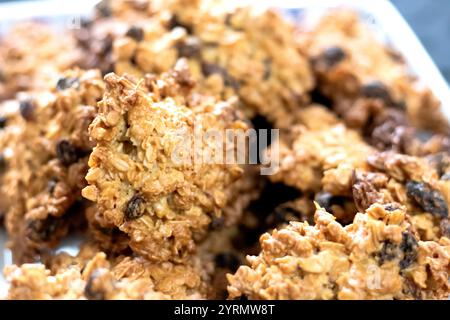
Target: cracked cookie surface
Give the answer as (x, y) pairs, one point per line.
(144, 175)
(375, 257)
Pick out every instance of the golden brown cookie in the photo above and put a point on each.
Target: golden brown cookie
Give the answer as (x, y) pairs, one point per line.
(145, 175)
(46, 161)
(92, 275)
(371, 87)
(31, 55)
(375, 257)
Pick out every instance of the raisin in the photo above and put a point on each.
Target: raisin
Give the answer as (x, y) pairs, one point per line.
(391, 206)
(26, 108)
(332, 56)
(135, 208)
(212, 68)
(365, 189)
(388, 130)
(3, 122)
(175, 22)
(409, 248)
(43, 230)
(429, 199)
(189, 48)
(66, 152)
(136, 33)
(103, 8)
(66, 83)
(388, 252)
(376, 90)
(227, 260)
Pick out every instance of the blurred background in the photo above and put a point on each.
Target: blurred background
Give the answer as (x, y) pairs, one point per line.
(431, 22)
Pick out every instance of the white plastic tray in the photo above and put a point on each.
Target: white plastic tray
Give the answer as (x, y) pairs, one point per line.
(383, 17)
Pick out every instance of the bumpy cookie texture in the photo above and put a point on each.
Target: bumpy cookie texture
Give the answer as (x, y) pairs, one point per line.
(105, 234)
(46, 157)
(111, 20)
(410, 181)
(368, 82)
(319, 154)
(31, 55)
(145, 172)
(231, 51)
(375, 257)
(91, 275)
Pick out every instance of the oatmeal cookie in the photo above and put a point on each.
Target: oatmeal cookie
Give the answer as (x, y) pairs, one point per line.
(92, 275)
(230, 50)
(111, 240)
(333, 162)
(46, 158)
(145, 173)
(409, 181)
(375, 257)
(104, 233)
(31, 55)
(319, 155)
(365, 79)
(111, 20)
(391, 130)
